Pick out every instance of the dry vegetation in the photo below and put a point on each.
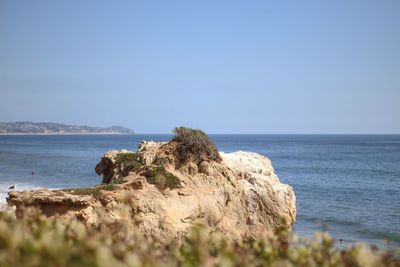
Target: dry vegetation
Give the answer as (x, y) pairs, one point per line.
(94, 191)
(36, 241)
(194, 145)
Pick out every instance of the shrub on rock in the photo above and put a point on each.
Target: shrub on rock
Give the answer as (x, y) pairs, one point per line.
(129, 162)
(158, 176)
(194, 145)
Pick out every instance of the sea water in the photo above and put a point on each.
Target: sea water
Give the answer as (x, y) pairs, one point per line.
(348, 185)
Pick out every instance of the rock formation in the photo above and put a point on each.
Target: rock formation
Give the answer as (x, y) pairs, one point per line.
(240, 196)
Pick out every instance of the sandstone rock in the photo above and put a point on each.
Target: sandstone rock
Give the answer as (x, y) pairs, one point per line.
(240, 196)
(151, 148)
(192, 169)
(206, 168)
(108, 167)
(50, 202)
(136, 184)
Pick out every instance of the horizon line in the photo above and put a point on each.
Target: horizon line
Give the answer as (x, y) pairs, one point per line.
(136, 133)
(276, 133)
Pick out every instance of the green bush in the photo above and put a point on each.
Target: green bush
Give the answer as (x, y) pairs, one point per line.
(129, 162)
(194, 145)
(92, 191)
(37, 241)
(119, 180)
(106, 187)
(158, 176)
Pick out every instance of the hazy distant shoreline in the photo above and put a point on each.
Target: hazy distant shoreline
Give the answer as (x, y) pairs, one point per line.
(65, 134)
(51, 128)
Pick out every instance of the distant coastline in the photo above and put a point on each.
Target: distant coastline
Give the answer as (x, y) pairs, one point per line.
(50, 128)
(4, 134)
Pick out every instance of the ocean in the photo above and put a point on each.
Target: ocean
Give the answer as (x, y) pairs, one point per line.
(348, 185)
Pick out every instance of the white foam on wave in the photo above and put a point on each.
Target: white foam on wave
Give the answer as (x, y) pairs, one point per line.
(4, 189)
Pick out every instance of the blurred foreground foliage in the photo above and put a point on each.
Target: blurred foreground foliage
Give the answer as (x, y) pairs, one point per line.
(35, 241)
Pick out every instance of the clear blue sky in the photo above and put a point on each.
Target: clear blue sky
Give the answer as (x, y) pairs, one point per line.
(223, 66)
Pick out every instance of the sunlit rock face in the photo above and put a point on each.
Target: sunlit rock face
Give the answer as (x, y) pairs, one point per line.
(240, 196)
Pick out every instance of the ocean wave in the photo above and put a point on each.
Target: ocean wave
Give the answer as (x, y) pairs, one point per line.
(391, 236)
(355, 229)
(4, 189)
(328, 221)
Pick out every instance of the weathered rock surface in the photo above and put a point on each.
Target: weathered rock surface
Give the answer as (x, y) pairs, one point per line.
(108, 167)
(241, 196)
(50, 202)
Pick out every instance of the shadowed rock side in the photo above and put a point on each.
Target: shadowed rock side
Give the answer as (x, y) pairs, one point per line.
(240, 196)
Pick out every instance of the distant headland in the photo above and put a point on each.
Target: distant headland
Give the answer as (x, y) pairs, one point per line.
(28, 127)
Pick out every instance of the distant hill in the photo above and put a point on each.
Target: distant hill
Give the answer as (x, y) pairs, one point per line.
(28, 127)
